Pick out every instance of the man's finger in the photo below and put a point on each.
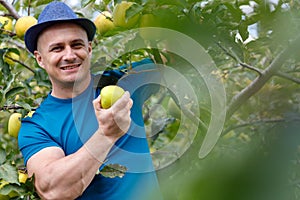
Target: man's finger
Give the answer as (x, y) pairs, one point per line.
(96, 103)
(122, 102)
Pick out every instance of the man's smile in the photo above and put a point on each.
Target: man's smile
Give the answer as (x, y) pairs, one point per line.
(70, 67)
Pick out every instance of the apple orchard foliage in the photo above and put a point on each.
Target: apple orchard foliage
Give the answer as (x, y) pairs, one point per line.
(261, 78)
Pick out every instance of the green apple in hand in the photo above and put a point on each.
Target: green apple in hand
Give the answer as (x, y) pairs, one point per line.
(110, 94)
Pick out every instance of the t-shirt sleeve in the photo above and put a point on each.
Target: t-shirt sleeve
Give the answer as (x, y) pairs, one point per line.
(32, 138)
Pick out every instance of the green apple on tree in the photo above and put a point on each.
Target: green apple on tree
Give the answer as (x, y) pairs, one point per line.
(110, 94)
(149, 20)
(104, 22)
(14, 124)
(119, 15)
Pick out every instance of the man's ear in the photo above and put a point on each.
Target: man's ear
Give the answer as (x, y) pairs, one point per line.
(38, 58)
(90, 48)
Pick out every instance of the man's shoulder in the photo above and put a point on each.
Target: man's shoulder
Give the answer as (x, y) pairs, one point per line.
(112, 76)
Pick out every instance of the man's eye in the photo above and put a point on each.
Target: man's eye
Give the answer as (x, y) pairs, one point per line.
(56, 48)
(77, 45)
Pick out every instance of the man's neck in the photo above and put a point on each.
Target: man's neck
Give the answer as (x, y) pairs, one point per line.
(70, 91)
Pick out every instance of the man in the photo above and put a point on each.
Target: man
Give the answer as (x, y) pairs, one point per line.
(70, 137)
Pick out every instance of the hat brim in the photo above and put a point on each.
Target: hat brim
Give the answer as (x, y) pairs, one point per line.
(33, 32)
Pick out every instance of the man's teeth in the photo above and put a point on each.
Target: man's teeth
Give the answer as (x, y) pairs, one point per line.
(70, 67)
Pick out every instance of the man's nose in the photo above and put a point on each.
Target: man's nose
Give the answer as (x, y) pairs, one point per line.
(69, 54)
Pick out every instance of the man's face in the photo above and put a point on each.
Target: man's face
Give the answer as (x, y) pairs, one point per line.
(64, 51)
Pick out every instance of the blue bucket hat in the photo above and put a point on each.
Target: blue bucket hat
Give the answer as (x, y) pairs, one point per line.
(56, 12)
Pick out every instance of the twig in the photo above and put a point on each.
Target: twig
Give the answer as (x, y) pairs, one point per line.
(252, 123)
(10, 9)
(21, 63)
(287, 76)
(251, 68)
(20, 45)
(10, 33)
(29, 6)
(235, 57)
(11, 107)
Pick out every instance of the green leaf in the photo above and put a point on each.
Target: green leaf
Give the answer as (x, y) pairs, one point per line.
(3, 65)
(13, 91)
(9, 173)
(243, 31)
(107, 1)
(253, 18)
(26, 106)
(14, 50)
(12, 191)
(113, 170)
(133, 10)
(179, 3)
(84, 3)
(10, 81)
(2, 156)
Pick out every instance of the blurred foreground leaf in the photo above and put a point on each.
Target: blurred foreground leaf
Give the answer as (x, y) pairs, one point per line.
(113, 170)
(8, 173)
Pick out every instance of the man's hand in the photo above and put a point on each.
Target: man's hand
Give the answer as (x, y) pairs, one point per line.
(114, 121)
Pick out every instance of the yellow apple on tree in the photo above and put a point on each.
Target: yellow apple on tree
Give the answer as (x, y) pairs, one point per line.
(14, 124)
(104, 22)
(8, 23)
(119, 15)
(23, 24)
(110, 94)
(10, 57)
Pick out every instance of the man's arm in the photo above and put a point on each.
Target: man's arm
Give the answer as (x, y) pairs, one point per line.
(66, 177)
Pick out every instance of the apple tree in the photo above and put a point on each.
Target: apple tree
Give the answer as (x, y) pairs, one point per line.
(229, 100)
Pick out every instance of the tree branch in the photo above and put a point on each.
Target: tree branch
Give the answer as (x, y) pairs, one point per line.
(260, 81)
(251, 68)
(229, 53)
(261, 121)
(10, 33)
(236, 58)
(10, 107)
(287, 76)
(10, 9)
(21, 63)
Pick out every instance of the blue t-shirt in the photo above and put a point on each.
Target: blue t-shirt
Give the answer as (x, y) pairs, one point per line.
(69, 123)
